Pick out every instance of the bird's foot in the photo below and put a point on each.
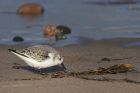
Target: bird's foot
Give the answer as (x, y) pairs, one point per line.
(43, 73)
(40, 71)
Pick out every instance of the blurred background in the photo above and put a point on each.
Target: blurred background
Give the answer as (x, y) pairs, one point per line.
(93, 19)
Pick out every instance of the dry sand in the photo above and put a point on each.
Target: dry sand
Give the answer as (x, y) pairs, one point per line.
(80, 57)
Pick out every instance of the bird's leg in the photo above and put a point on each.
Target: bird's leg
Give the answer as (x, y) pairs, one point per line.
(41, 72)
(34, 69)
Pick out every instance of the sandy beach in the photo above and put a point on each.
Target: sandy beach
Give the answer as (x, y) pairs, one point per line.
(104, 33)
(81, 57)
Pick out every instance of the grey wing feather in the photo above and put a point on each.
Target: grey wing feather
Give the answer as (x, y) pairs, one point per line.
(38, 52)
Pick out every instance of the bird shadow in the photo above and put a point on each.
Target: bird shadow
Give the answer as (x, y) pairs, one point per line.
(43, 71)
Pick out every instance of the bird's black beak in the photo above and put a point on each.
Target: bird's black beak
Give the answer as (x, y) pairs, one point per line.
(63, 66)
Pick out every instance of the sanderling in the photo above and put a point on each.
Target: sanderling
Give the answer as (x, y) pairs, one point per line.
(39, 56)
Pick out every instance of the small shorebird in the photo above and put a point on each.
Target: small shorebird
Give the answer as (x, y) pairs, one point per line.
(39, 56)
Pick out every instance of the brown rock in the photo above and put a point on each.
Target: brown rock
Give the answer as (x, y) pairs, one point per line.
(33, 9)
(50, 30)
(60, 30)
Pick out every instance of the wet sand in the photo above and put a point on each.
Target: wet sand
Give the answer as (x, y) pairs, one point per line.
(68, 85)
(82, 57)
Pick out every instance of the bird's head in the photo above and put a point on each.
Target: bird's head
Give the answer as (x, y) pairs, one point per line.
(57, 58)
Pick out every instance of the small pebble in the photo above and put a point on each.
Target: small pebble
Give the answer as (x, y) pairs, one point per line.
(16, 67)
(18, 39)
(105, 59)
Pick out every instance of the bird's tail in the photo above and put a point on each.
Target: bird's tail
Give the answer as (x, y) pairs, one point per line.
(16, 52)
(12, 50)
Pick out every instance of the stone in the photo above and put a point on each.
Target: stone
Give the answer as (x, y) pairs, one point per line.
(18, 39)
(50, 30)
(105, 59)
(32, 9)
(63, 29)
(59, 32)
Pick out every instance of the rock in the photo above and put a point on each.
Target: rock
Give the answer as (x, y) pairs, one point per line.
(18, 39)
(105, 59)
(50, 30)
(63, 29)
(59, 32)
(32, 9)
(16, 67)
